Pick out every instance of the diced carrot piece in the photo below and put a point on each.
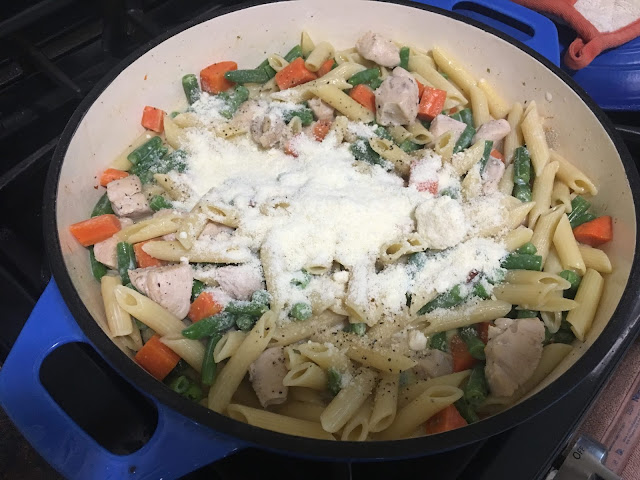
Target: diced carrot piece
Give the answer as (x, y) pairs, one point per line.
(496, 154)
(430, 186)
(483, 331)
(446, 419)
(462, 359)
(596, 232)
(204, 306)
(296, 73)
(212, 78)
(420, 89)
(143, 259)
(111, 174)
(431, 103)
(156, 358)
(153, 119)
(364, 96)
(325, 68)
(95, 229)
(453, 110)
(321, 129)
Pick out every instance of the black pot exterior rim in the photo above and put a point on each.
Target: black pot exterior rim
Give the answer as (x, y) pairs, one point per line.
(266, 439)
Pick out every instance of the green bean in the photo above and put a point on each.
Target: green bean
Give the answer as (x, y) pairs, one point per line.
(439, 341)
(466, 411)
(103, 207)
(474, 344)
(258, 75)
(375, 83)
(301, 280)
(253, 309)
(464, 116)
(574, 279)
(158, 202)
(407, 377)
(450, 192)
(563, 336)
(522, 192)
(476, 389)
(267, 68)
(304, 114)
(465, 139)
(426, 124)
(519, 261)
(363, 152)
(584, 218)
(382, 132)
(409, 146)
(579, 207)
(98, 269)
(208, 372)
(488, 146)
(245, 322)
(180, 384)
(146, 168)
(194, 392)
(444, 75)
(527, 249)
(152, 148)
(417, 260)
(404, 58)
(208, 326)
(521, 166)
(174, 114)
(300, 311)
(233, 100)
(334, 381)
(196, 289)
(140, 325)
(358, 328)
(261, 297)
(480, 291)
(126, 259)
(445, 300)
(191, 88)
(364, 76)
(526, 314)
(294, 53)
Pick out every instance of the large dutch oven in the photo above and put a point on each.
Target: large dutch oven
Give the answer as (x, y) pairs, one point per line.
(189, 435)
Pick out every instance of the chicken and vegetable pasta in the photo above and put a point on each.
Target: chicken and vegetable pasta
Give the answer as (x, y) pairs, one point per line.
(357, 244)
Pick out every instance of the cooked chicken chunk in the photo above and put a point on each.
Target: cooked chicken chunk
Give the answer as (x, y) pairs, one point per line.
(443, 124)
(168, 286)
(267, 130)
(246, 112)
(126, 197)
(320, 109)
(379, 49)
(493, 172)
(397, 99)
(213, 229)
(239, 281)
(435, 363)
(105, 251)
(495, 130)
(513, 355)
(266, 375)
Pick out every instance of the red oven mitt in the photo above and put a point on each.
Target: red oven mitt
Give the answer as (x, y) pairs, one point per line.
(600, 24)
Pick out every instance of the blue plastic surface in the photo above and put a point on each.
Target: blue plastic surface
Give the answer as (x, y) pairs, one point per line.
(65, 445)
(542, 36)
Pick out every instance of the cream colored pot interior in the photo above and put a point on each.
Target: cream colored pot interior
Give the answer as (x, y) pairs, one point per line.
(248, 35)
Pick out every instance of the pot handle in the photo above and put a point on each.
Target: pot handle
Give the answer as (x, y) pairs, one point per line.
(535, 30)
(184, 444)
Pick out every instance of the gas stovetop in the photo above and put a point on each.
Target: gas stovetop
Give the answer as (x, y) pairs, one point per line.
(51, 54)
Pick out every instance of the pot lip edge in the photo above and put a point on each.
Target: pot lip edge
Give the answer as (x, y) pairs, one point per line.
(406, 448)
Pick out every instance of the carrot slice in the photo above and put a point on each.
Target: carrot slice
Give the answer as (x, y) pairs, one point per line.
(420, 89)
(325, 68)
(296, 73)
(446, 419)
(483, 331)
(143, 259)
(156, 358)
(364, 96)
(453, 110)
(212, 78)
(462, 359)
(496, 154)
(95, 229)
(153, 119)
(429, 186)
(203, 306)
(431, 103)
(321, 129)
(596, 232)
(111, 174)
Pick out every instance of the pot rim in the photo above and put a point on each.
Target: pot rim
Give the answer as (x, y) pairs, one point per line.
(267, 439)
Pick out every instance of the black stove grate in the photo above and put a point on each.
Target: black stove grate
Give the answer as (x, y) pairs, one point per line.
(52, 52)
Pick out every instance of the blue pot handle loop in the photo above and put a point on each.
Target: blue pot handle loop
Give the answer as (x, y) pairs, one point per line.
(543, 40)
(177, 447)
